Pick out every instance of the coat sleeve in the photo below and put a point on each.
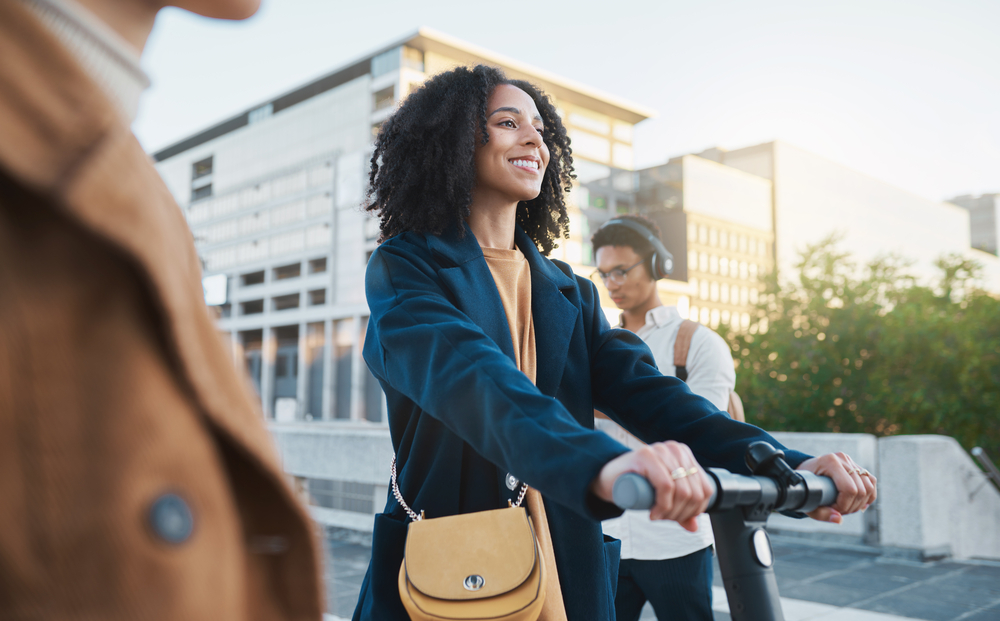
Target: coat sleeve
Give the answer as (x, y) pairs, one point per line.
(631, 391)
(431, 352)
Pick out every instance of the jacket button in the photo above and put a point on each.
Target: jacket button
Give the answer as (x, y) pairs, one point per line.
(171, 519)
(512, 482)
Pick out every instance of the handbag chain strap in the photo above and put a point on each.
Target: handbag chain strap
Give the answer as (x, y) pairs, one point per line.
(417, 518)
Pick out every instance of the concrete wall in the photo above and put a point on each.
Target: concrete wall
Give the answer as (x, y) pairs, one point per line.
(934, 502)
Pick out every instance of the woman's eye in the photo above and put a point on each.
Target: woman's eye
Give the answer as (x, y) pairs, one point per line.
(509, 123)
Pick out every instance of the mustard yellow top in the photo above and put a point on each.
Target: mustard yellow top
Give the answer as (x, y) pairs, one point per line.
(512, 275)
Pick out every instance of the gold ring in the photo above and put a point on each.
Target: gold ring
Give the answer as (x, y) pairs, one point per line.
(864, 473)
(693, 470)
(679, 473)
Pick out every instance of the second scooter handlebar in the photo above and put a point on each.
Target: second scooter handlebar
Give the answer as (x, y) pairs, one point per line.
(633, 491)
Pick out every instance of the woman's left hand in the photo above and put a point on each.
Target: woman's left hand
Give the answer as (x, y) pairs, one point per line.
(856, 485)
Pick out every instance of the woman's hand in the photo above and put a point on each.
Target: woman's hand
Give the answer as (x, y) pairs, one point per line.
(682, 492)
(856, 485)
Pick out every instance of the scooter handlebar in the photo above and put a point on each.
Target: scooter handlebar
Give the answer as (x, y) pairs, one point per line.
(633, 491)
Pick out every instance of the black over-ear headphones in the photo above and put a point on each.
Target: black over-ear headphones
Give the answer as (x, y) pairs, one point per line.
(662, 262)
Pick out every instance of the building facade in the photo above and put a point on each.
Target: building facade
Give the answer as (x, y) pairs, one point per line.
(984, 220)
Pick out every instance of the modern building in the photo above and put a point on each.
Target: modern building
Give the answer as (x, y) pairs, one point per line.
(737, 215)
(984, 220)
(273, 199)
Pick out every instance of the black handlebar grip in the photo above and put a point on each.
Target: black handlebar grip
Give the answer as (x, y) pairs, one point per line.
(633, 491)
(822, 491)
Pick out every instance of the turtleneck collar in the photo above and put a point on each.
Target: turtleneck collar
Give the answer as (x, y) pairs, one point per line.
(106, 57)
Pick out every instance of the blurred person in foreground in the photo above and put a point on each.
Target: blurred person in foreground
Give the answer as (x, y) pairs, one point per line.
(661, 562)
(137, 480)
(493, 357)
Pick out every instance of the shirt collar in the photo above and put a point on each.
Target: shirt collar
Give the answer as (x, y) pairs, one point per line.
(655, 318)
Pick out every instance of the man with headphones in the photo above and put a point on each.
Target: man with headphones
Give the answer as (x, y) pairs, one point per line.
(661, 562)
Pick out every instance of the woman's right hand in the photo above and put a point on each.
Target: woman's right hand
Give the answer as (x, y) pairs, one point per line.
(682, 491)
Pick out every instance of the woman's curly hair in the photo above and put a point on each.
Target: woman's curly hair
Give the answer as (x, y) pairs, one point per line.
(423, 167)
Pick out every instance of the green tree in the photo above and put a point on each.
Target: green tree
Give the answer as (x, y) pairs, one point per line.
(846, 350)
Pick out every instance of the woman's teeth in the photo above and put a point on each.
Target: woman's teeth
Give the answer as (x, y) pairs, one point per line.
(525, 164)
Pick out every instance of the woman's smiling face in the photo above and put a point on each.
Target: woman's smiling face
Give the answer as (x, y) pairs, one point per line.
(511, 165)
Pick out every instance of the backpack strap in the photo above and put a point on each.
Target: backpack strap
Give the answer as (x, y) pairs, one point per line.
(682, 345)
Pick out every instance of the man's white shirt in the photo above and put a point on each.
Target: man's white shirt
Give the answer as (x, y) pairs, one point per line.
(710, 374)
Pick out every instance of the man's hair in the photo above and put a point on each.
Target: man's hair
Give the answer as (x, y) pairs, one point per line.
(624, 236)
(423, 167)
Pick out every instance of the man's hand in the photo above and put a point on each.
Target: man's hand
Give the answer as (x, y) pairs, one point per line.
(856, 485)
(682, 491)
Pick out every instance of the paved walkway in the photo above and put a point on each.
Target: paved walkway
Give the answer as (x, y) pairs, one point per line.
(820, 582)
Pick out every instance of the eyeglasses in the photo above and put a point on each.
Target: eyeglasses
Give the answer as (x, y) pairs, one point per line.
(617, 276)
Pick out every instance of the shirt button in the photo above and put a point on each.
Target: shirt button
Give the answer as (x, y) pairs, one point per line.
(512, 482)
(171, 519)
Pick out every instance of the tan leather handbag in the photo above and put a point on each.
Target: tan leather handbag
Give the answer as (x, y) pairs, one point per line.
(485, 565)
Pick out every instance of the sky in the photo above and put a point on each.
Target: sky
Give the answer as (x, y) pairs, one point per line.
(907, 92)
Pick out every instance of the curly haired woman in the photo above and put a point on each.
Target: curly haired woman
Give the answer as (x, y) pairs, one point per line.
(493, 358)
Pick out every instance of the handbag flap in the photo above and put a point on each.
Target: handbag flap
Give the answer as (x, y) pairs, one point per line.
(470, 556)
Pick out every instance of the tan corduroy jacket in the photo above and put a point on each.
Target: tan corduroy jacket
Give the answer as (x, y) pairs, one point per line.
(137, 480)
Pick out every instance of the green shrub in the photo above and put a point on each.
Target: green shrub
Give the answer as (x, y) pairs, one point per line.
(845, 350)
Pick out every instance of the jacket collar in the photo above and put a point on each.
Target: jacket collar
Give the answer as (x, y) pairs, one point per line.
(459, 246)
(62, 138)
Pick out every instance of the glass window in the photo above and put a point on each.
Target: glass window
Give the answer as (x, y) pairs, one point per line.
(723, 239)
(715, 292)
(703, 290)
(385, 62)
(705, 315)
(315, 354)
(725, 316)
(692, 260)
(371, 391)
(754, 295)
(703, 262)
(343, 357)
(252, 278)
(724, 266)
(384, 98)
(203, 192)
(713, 237)
(251, 342)
(703, 234)
(753, 271)
(745, 320)
(413, 59)
(693, 315)
(202, 168)
(744, 296)
(286, 302)
(293, 270)
(744, 273)
(251, 307)
(317, 265)
(713, 264)
(743, 243)
(724, 294)
(692, 231)
(317, 297)
(715, 318)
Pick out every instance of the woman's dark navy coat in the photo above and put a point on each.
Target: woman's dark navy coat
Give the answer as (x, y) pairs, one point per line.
(462, 416)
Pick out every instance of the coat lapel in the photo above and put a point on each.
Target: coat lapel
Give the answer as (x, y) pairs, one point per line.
(471, 282)
(554, 315)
